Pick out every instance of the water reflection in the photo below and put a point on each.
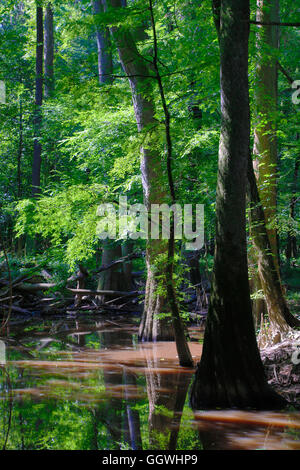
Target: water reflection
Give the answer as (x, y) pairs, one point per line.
(81, 384)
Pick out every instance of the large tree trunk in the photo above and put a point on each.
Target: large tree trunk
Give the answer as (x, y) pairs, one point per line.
(49, 51)
(37, 150)
(155, 190)
(230, 373)
(105, 63)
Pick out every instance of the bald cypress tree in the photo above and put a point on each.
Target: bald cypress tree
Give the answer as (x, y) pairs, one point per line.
(230, 373)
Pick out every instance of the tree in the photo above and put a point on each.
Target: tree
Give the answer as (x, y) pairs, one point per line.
(105, 63)
(265, 140)
(49, 51)
(280, 317)
(266, 162)
(141, 82)
(37, 150)
(230, 373)
(141, 79)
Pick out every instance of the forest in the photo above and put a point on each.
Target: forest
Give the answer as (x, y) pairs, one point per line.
(149, 225)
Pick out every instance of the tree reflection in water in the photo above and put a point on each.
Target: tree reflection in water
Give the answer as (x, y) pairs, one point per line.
(77, 384)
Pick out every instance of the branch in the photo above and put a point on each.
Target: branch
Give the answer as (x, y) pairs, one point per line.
(285, 73)
(273, 23)
(111, 293)
(129, 257)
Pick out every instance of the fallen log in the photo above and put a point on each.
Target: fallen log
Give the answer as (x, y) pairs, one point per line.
(112, 293)
(16, 309)
(35, 287)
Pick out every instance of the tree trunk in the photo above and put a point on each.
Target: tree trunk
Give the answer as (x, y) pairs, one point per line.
(112, 279)
(279, 314)
(265, 140)
(291, 249)
(49, 51)
(230, 373)
(105, 63)
(155, 190)
(37, 150)
(127, 249)
(20, 149)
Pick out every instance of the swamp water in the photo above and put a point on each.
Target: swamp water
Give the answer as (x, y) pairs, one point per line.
(81, 383)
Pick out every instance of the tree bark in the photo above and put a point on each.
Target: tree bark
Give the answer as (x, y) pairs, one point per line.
(37, 150)
(141, 80)
(265, 139)
(291, 249)
(265, 148)
(230, 373)
(280, 317)
(49, 51)
(105, 62)
(20, 149)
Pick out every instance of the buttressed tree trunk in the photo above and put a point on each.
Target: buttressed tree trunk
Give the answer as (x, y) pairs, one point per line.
(49, 51)
(105, 62)
(141, 81)
(37, 149)
(230, 373)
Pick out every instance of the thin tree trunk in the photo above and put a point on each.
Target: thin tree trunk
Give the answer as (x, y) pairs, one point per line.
(37, 151)
(49, 51)
(230, 373)
(105, 62)
(291, 249)
(20, 149)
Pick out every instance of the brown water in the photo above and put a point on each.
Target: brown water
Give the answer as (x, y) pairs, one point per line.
(86, 384)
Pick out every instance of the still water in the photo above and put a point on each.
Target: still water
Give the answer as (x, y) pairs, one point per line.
(81, 383)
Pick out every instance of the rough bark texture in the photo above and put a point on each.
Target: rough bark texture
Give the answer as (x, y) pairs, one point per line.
(265, 148)
(37, 150)
(280, 318)
(230, 373)
(105, 62)
(49, 51)
(265, 140)
(141, 81)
